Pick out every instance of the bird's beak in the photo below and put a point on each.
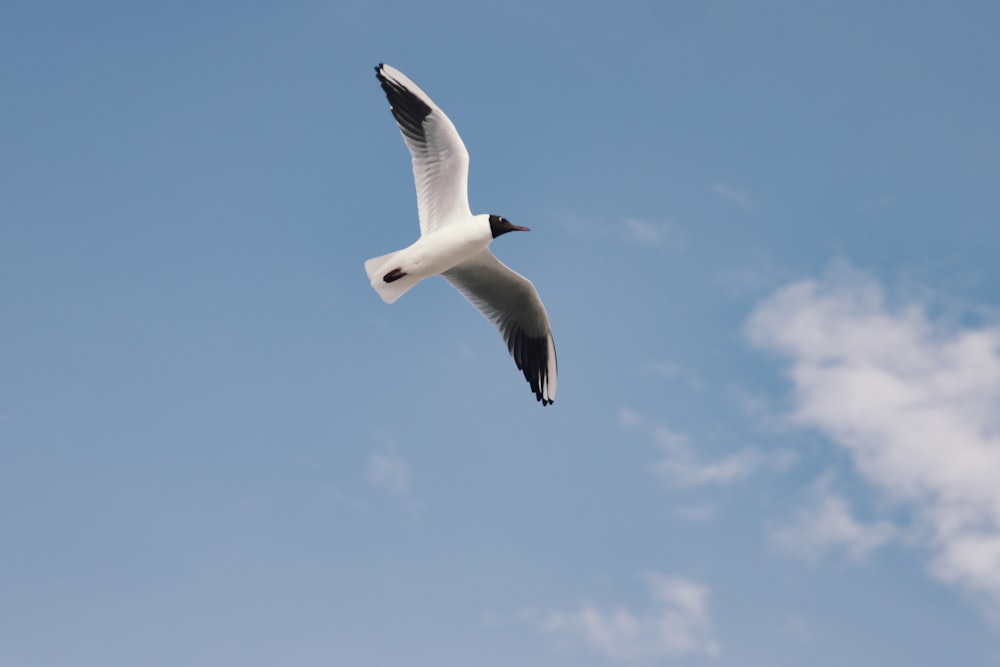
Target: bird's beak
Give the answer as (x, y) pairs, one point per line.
(516, 228)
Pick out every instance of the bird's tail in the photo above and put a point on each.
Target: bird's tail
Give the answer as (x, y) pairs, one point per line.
(378, 268)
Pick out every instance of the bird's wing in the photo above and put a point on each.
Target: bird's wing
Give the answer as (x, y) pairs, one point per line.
(511, 303)
(440, 160)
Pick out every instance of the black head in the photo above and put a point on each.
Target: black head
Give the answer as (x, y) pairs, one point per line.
(500, 226)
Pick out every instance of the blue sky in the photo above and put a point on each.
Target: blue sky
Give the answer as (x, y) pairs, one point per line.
(766, 236)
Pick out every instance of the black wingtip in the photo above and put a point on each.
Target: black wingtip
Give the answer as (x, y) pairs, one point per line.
(530, 354)
(408, 109)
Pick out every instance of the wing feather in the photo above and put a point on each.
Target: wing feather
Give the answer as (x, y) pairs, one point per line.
(511, 303)
(440, 159)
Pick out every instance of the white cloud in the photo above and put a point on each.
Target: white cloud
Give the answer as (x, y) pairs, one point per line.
(652, 233)
(916, 403)
(827, 524)
(643, 232)
(681, 468)
(738, 197)
(672, 371)
(672, 442)
(630, 418)
(677, 623)
(390, 472)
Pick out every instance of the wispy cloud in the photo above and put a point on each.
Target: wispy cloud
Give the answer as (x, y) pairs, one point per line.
(658, 234)
(738, 197)
(755, 275)
(916, 403)
(672, 371)
(390, 472)
(645, 233)
(681, 468)
(630, 418)
(676, 623)
(826, 524)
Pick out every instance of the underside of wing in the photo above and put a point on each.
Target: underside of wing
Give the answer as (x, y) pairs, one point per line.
(440, 160)
(511, 303)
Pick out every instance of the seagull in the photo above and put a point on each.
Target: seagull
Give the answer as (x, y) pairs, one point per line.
(454, 243)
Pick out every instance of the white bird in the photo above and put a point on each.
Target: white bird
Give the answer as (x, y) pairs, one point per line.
(455, 243)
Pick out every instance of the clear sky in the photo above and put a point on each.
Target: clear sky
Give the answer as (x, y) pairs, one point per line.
(766, 234)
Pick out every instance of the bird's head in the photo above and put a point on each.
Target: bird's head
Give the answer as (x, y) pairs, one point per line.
(500, 226)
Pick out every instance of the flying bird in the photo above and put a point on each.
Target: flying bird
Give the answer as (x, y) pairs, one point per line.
(454, 243)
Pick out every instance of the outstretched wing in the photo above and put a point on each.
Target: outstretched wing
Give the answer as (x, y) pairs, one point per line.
(440, 160)
(511, 303)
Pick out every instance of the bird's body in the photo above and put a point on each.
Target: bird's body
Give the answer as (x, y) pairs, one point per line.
(455, 243)
(430, 255)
